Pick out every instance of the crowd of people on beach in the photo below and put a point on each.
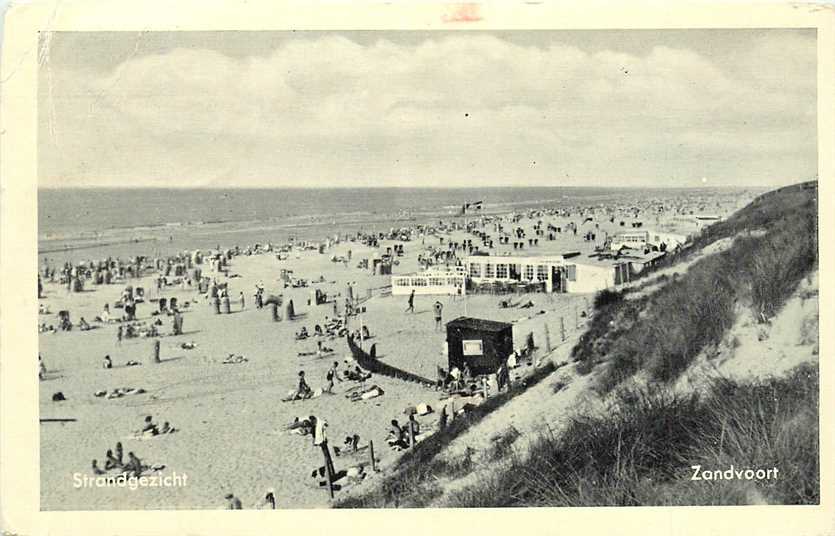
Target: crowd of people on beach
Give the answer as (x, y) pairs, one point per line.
(209, 274)
(114, 461)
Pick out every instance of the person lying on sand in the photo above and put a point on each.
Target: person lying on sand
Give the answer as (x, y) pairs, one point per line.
(366, 394)
(354, 474)
(83, 325)
(150, 427)
(167, 428)
(350, 475)
(300, 425)
(350, 445)
(358, 374)
(96, 470)
(322, 349)
(296, 424)
(302, 334)
(233, 359)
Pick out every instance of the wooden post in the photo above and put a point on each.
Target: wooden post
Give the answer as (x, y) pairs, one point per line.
(362, 339)
(562, 328)
(547, 339)
(576, 318)
(328, 466)
(371, 451)
(411, 435)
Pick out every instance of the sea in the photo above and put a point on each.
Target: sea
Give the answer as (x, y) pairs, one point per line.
(93, 223)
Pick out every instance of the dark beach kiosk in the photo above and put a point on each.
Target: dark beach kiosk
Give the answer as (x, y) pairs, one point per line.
(483, 345)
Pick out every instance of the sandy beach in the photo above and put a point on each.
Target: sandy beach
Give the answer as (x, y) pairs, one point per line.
(230, 419)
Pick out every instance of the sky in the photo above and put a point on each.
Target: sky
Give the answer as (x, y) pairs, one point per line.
(620, 108)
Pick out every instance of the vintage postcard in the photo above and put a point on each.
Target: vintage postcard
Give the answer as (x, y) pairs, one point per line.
(444, 257)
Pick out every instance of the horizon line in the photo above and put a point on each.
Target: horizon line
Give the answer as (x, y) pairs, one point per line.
(399, 187)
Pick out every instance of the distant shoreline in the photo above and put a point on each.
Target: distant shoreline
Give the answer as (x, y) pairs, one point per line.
(152, 221)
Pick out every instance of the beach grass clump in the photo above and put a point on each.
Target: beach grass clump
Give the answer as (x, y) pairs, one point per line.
(643, 451)
(503, 444)
(455, 467)
(613, 317)
(606, 297)
(645, 283)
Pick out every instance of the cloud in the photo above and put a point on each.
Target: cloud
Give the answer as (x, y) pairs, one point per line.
(458, 110)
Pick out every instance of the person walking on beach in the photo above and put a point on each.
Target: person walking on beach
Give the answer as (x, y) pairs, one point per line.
(119, 333)
(243, 303)
(411, 307)
(438, 308)
(333, 375)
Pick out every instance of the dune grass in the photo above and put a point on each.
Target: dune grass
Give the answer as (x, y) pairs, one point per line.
(642, 451)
